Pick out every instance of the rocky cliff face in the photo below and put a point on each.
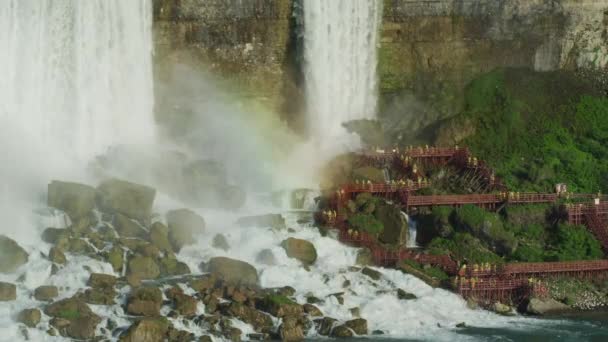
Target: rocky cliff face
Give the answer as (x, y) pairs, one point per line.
(429, 51)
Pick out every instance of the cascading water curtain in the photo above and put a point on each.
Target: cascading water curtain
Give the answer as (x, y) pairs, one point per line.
(77, 74)
(340, 51)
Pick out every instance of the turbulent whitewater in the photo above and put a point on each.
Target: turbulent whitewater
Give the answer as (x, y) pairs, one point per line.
(340, 53)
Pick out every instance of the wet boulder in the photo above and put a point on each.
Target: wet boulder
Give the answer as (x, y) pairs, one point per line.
(57, 256)
(130, 199)
(143, 267)
(281, 306)
(145, 301)
(325, 325)
(341, 331)
(77, 200)
(231, 271)
(259, 320)
(170, 266)
(12, 256)
(373, 274)
(358, 326)
(184, 225)
(148, 330)
(301, 250)
(46, 293)
(128, 228)
(274, 221)
(29, 317)
(159, 236)
(73, 318)
(220, 242)
(266, 257)
(54, 235)
(312, 310)
(364, 257)
(8, 292)
(291, 329)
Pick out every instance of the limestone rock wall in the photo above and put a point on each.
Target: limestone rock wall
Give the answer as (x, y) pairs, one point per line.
(430, 49)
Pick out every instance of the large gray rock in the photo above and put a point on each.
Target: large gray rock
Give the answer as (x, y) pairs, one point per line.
(275, 221)
(130, 199)
(184, 224)
(12, 256)
(77, 200)
(232, 271)
(543, 307)
(73, 318)
(301, 250)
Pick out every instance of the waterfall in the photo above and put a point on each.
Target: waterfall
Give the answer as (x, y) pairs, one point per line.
(340, 52)
(75, 79)
(77, 75)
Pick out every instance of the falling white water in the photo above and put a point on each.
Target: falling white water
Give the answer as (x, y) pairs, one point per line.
(75, 78)
(340, 43)
(77, 75)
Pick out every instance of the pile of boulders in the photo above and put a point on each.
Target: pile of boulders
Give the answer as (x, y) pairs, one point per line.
(114, 223)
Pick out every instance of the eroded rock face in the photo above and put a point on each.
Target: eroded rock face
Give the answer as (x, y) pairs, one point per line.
(184, 224)
(130, 199)
(12, 256)
(232, 271)
(300, 249)
(77, 200)
(395, 225)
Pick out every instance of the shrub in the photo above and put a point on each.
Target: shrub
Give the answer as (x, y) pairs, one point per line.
(367, 223)
(574, 243)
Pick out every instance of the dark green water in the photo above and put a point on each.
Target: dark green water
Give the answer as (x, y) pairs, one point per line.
(591, 327)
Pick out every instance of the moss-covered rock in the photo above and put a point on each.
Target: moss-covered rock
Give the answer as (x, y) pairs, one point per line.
(301, 250)
(57, 256)
(12, 256)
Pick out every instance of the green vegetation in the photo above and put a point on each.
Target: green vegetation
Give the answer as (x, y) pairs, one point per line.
(539, 129)
(279, 300)
(431, 271)
(69, 314)
(522, 233)
(573, 243)
(366, 223)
